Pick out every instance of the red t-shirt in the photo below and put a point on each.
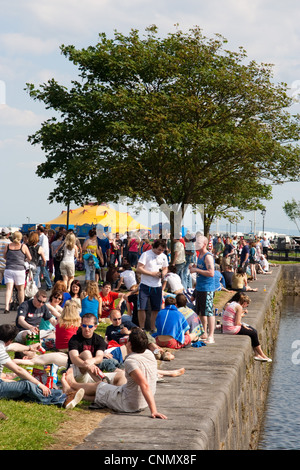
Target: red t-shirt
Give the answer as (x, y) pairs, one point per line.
(108, 303)
(63, 336)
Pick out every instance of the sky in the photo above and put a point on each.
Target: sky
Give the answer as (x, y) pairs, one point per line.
(30, 36)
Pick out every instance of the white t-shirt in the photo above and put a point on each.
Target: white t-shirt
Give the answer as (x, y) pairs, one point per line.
(44, 242)
(4, 357)
(128, 278)
(181, 252)
(173, 281)
(152, 263)
(264, 264)
(129, 397)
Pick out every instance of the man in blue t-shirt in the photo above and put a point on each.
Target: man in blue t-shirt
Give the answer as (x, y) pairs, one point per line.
(205, 288)
(244, 260)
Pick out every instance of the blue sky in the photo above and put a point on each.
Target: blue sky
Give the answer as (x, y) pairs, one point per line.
(32, 31)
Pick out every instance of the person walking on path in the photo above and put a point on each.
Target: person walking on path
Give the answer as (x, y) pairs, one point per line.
(15, 255)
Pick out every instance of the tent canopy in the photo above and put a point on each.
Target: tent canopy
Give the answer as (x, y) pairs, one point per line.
(99, 215)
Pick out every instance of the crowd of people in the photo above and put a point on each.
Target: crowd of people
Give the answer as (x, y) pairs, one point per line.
(152, 301)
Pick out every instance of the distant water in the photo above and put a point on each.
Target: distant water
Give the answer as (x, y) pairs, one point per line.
(281, 429)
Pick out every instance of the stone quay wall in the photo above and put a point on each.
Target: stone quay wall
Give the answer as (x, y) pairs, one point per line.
(218, 404)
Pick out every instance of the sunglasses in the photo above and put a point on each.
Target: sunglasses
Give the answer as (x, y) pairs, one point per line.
(41, 301)
(58, 297)
(117, 319)
(87, 326)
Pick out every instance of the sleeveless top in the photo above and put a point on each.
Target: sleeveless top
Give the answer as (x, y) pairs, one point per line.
(69, 255)
(203, 283)
(133, 245)
(15, 259)
(229, 318)
(91, 248)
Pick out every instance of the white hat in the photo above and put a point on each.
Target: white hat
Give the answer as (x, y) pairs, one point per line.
(190, 236)
(5, 231)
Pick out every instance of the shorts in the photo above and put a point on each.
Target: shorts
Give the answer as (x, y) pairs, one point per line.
(112, 397)
(154, 294)
(67, 269)
(205, 303)
(173, 343)
(15, 277)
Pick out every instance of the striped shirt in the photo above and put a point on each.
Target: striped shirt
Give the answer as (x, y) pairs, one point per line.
(4, 357)
(3, 243)
(229, 318)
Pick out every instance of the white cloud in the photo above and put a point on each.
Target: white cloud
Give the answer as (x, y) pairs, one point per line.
(18, 117)
(20, 43)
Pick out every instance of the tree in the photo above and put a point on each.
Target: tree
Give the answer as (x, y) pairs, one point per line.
(166, 120)
(292, 210)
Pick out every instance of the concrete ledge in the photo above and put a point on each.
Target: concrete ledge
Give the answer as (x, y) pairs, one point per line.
(218, 403)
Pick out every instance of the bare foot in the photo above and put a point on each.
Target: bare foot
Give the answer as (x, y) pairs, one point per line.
(171, 373)
(65, 385)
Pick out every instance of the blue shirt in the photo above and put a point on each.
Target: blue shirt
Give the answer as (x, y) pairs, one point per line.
(104, 244)
(89, 306)
(204, 283)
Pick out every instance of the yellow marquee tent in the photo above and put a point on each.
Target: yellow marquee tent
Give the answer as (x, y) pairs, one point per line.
(99, 215)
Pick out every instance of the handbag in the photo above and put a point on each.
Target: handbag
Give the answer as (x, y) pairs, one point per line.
(31, 287)
(59, 254)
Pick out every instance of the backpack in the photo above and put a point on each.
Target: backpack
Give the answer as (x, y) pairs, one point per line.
(35, 257)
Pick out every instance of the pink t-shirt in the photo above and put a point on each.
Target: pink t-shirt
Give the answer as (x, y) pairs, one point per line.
(229, 318)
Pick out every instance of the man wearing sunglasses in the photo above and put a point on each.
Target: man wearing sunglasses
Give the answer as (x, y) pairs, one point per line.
(86, 350)
(30, 314)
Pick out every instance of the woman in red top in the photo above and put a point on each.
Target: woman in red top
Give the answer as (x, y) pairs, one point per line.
(108, 299)
(67, 325)
(133, 251)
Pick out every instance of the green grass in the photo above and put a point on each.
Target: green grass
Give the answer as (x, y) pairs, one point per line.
(30, 426)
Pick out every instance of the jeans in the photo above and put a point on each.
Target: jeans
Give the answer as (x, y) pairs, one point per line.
(133, 257)
(45, 272)
(25, 390)
(186, 277)
(90, 271)
(179, 271)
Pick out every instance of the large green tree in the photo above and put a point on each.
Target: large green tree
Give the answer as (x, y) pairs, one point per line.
(167, 120)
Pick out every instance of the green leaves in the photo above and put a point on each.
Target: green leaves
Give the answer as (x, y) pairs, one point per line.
(168, 120)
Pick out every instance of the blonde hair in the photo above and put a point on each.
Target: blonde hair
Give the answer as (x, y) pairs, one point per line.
(244, 298)
(70, 316)
(70, 241)
(92, 289)
(17, 237)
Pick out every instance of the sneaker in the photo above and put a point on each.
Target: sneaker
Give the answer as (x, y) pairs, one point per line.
(6, 311)
(73, 398)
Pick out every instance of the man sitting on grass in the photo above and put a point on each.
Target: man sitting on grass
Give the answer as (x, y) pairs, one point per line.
(131, 391)
(29, 389)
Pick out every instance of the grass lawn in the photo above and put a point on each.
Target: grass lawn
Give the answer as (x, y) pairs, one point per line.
(31, 426)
